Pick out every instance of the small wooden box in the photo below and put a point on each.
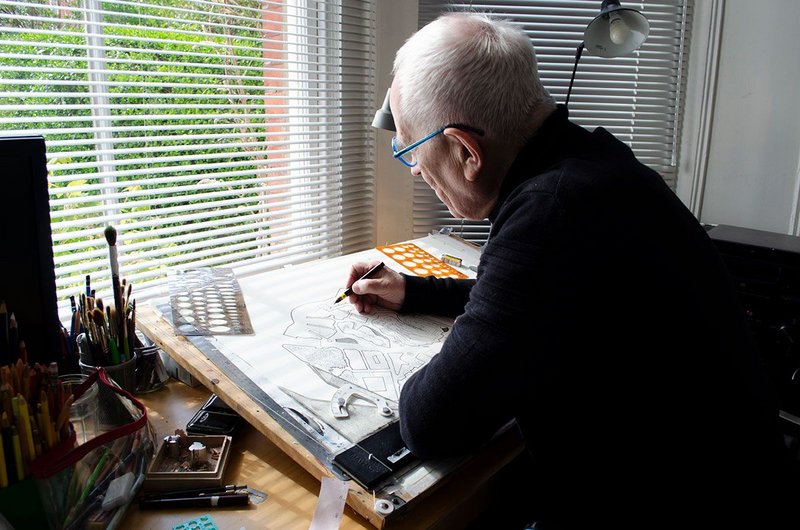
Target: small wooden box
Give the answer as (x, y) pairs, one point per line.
(160, 479)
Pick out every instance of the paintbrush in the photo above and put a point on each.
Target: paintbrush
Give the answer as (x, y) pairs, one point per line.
(113, 337)
(101, 334)
(111, 238)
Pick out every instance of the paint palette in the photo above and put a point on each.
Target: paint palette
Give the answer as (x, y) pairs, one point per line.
(420, 262)
(208, 301)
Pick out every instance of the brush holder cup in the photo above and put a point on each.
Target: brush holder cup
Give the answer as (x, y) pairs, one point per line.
(124, 373)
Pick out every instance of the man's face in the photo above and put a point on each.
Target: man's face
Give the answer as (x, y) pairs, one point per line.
(436, 165)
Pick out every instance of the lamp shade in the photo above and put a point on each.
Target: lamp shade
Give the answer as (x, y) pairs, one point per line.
(616, 31)
(383, 116)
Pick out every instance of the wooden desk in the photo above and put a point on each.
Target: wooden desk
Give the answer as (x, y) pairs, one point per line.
(452, 502)
(255, 461)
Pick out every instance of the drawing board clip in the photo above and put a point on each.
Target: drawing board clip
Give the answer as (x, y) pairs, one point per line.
(345, 393)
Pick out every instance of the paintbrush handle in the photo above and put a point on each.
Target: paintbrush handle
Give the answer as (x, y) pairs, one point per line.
(120, 323)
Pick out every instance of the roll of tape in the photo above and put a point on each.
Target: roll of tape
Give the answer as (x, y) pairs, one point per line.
(383, 507)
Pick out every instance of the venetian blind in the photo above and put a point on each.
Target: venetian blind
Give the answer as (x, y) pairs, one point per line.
(638, 98)
(208, 132)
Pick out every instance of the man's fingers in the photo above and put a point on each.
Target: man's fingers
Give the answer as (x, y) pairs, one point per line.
(357, 270)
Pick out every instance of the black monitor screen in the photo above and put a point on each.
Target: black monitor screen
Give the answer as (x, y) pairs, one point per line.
(27, 277)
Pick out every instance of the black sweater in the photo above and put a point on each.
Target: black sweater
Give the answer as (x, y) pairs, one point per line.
(603, 321)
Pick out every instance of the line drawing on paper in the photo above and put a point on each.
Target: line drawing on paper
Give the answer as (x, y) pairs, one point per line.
(378, 352)
(306, 350)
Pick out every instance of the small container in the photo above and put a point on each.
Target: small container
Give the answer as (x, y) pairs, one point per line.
(172, 443)
(83, 414)
(124, 374)
(112, 413)
(150, 371)
(164, 475)
(198, 454)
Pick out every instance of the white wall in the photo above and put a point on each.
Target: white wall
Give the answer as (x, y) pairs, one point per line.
(396, 20)
(741, 142)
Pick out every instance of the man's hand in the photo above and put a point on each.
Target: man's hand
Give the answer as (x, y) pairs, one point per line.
(385, 289)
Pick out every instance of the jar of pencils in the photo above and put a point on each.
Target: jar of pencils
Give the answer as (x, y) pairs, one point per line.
(123, 373)
(34, 408)
(105, 334)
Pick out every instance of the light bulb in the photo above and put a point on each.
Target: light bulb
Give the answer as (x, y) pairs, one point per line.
(618, 30)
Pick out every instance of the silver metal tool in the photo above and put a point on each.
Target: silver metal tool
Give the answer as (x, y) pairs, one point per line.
(347, 392)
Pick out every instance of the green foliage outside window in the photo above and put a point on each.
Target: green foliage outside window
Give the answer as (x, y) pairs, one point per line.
(145, 71)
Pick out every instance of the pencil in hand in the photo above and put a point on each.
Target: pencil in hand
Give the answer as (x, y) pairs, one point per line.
(369, 274)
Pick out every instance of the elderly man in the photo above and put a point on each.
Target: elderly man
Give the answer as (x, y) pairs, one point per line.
(601, 320)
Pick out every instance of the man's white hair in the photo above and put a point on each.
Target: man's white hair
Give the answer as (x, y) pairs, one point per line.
(470, 69)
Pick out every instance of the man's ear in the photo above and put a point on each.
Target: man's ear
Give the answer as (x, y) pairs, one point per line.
(468, 151)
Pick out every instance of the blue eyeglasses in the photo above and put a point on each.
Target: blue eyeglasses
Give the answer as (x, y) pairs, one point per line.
(401, 154)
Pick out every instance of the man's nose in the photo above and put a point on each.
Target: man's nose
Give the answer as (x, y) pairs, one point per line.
(416, 171)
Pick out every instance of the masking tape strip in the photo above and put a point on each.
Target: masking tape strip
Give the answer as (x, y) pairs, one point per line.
(330, 506)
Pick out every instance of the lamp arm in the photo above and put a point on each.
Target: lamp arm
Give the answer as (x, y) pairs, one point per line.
(578, 53)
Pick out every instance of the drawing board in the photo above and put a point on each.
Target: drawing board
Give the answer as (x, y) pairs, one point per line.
(305, 347)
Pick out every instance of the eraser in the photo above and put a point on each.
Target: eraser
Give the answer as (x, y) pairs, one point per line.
(119, 491)
(204, 522)
(451, 260)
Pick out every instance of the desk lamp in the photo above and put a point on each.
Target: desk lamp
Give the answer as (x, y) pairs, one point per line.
(383, 116)
(615, 32)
